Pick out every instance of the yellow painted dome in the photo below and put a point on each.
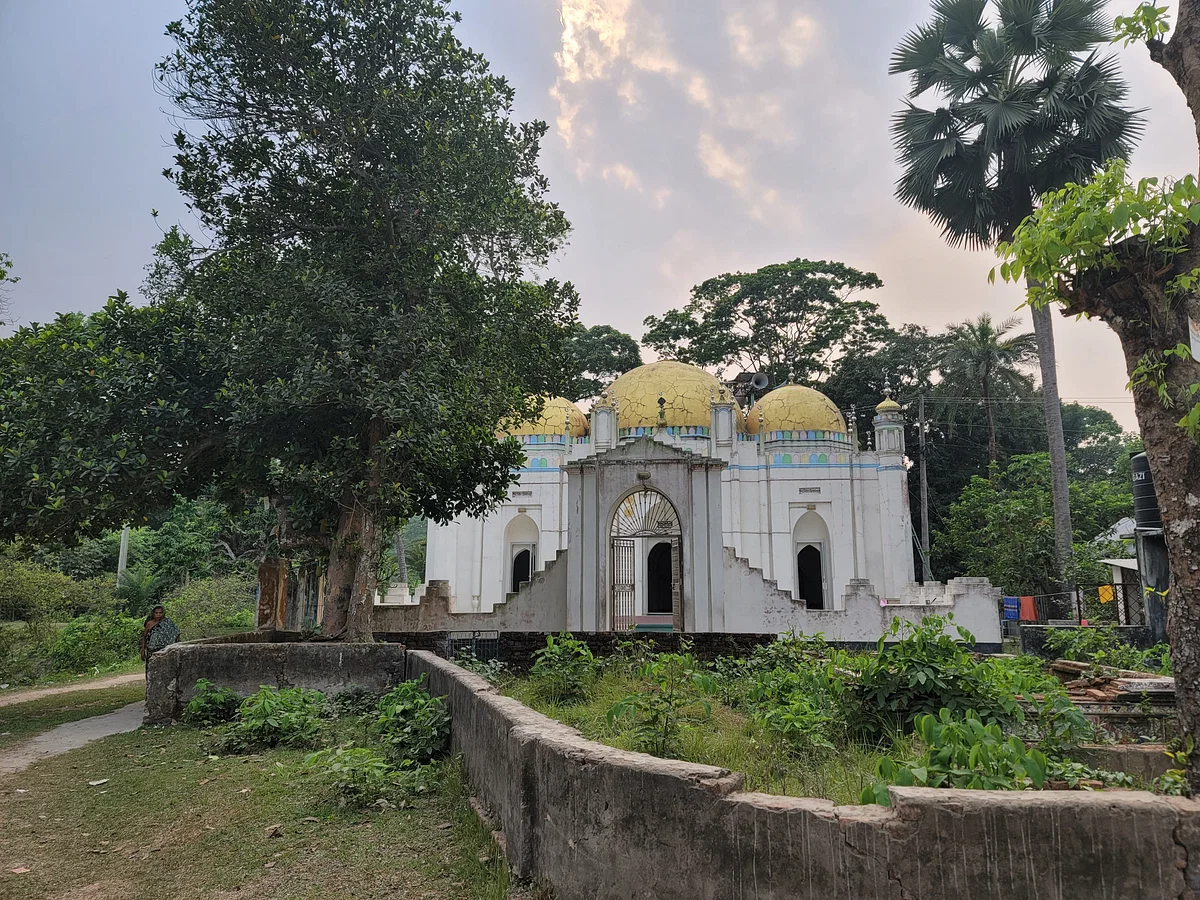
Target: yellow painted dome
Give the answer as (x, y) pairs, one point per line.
(796, 408)
(555, 412)
(687, 390)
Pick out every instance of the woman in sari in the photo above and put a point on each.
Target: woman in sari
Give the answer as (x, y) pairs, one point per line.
(159, 632)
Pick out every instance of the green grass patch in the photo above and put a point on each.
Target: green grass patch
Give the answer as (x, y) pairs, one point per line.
(724, 738)
(173, 821)
(21, 721)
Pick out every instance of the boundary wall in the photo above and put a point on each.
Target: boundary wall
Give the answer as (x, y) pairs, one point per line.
(595, 822)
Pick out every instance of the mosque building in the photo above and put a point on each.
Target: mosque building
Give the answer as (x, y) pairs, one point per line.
(670, 508)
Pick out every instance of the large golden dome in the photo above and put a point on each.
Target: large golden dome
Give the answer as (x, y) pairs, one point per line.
(688, 393)
(802, 412)
(555, 413)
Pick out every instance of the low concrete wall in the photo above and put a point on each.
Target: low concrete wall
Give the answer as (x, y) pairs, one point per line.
(245, 667)
(595, 822)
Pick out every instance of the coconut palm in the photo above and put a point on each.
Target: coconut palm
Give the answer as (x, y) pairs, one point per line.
(979, 360)
(1023, 104)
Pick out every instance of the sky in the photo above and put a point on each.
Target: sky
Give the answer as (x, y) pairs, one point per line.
(688, 138)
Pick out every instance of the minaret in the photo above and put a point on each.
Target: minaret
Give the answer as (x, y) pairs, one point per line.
(895, 522)
(723, 429)
(604, 424)
(889, 425)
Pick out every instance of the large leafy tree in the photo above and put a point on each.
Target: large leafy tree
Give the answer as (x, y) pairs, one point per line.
(1129, 254)
(599, 354)
(1024, 104)
(374, 212)
(7, 279)
(793, 318)
(980, 362)
(1002, 526)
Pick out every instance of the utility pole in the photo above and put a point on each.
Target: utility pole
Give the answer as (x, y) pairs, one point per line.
(926, 572)
(123, 556)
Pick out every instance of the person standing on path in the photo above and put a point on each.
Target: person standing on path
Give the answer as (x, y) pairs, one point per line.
(159, 632)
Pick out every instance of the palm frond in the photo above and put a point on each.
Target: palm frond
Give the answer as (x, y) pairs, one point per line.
(1019, 23)
(1075, 26)
(961, 20)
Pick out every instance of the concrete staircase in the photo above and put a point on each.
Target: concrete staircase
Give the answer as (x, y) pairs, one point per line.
(540, 575)
(770, 587)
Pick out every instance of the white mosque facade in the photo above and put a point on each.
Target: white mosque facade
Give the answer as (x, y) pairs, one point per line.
(669, 508)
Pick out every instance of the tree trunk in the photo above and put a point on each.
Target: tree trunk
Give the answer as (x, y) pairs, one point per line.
(1043, 328)
(993, 449)
(401, 561)
(351, 577)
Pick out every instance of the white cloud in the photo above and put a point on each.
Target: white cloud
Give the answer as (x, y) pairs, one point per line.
(722, 165)
(763, 34)
(624, 175)
(661, 196)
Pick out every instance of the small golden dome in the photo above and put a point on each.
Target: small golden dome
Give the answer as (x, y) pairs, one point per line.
(888, 405)
(687, 392)
(553, 419)
(794, 407)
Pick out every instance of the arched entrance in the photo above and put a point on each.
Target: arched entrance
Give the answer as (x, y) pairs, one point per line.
(809, 577)
(646, 566)
(522, 567)
(659, 580)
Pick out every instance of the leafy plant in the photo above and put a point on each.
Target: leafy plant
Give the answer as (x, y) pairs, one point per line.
(1104, 647)
(677, 683)
(276, 718)
(208, 606)
(95, 641)
(923, 672)
(355, 700)
(211, 705)
(962, 753)
(564, 670)
(413, 726)
(356, 775)
(491, 670)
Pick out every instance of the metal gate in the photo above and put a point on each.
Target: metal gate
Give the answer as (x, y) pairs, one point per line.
(482, 645)
(623, 569)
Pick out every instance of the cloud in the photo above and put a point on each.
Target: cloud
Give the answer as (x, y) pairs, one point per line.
(722, 165)
(763, 34)
(624, 175)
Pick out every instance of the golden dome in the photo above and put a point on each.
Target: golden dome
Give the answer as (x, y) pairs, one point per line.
(553, 419)
(888, 405)
(687, 390)
(796, 408)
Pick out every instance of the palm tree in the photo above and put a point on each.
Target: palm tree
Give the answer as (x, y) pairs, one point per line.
(1025, 104)
(978, 361)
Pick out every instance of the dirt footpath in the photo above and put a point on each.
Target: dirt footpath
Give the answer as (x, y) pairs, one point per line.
(90, 685)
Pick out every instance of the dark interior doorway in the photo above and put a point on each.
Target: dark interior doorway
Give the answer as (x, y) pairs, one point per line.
(809, 580)
(658, 581)
(520, 569)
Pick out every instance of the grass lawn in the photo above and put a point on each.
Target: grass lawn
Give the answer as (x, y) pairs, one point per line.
(24, 720)
(173, 822)
(726, 738)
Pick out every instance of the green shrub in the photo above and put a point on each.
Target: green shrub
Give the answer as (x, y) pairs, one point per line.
(97, 641)
(491, 670)
(677, 685)
(276, 718)
(211, 705)
(923, 672)
(357, 776)
(1104, 647)
(413, 727)
(355, 700)
(564, 670)
(30, 592)
(962, 753)
(210, 606)
(24, 651)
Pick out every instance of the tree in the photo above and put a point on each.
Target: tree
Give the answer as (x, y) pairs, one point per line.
(6, 278)
(1129, 255)
(1002, 526)
(977, 361)
(903, 359)
(105, 418)
(600, 354)
(1027, 105)
(793, 318)
(373, 212)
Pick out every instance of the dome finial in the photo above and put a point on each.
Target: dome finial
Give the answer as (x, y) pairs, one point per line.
(791, 376)
(888, 404)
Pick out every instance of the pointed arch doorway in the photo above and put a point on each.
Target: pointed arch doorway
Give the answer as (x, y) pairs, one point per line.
(646, 570)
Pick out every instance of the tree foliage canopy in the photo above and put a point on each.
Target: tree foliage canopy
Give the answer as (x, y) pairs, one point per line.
(791, 318)
(600, 354)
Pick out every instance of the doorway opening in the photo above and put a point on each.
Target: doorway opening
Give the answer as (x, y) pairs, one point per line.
(660, 575)
(522, 568)
(810, 581)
